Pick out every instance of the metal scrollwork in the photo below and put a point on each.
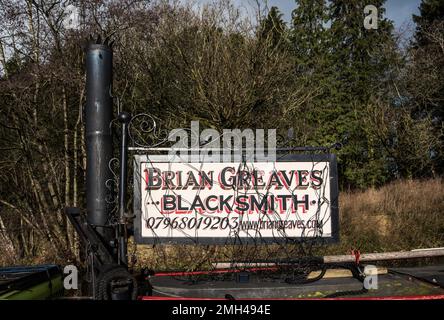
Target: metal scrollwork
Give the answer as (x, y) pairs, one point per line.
(144, 132)
(112, 184)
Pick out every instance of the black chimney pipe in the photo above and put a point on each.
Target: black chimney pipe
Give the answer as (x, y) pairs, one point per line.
(99, 145)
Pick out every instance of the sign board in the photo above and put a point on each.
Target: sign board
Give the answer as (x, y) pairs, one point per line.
(295, 197)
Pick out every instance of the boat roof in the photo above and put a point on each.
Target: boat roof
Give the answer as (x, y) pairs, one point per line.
(397, 282)
(21, 277)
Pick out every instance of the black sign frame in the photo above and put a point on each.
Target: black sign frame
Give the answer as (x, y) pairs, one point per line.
(334, 206)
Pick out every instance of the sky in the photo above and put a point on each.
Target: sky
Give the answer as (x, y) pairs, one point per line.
(400, 11)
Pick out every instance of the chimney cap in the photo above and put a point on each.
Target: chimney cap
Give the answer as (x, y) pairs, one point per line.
(96, 42)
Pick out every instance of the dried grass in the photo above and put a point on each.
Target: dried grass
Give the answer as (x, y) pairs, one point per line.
(399, 216)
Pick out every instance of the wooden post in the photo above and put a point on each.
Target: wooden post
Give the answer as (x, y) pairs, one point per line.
(366, 257)
(398, 255)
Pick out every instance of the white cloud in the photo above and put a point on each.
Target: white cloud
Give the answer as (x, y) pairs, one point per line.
(72, 19)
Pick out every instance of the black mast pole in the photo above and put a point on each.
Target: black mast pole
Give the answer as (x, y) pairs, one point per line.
(124, 119)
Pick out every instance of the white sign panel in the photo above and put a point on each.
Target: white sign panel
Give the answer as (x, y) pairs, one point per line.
(294, 198)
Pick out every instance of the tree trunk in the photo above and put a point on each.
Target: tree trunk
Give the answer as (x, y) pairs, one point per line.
(8, 247)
